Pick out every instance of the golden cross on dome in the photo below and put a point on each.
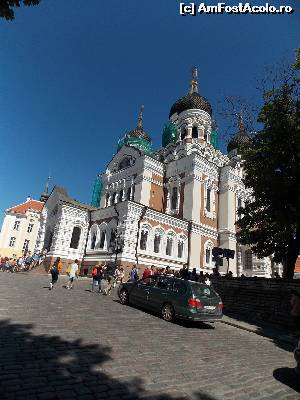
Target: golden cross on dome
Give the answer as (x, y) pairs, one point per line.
(140, 120)
(240, 122)
(194, 81)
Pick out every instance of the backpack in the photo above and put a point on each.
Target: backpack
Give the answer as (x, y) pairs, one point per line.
(54, 267)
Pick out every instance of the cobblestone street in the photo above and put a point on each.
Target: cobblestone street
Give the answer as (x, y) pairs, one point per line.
(80, 345)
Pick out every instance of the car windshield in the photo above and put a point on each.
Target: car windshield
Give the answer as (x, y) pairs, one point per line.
(201, 290)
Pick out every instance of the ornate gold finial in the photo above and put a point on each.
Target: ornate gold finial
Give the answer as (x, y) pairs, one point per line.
(240, 122)
(140, 120)
(194, 81)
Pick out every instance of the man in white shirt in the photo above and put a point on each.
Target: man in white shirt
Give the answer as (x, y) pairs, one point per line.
(72, 274)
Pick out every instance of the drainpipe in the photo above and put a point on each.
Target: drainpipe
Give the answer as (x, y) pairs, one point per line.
(118, 219)
(138, 234)
(87, 236)
(189, 244)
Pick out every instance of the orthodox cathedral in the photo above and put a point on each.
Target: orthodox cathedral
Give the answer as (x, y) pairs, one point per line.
(168, 207)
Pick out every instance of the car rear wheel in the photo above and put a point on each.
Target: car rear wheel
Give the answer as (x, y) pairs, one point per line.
(124, 296)
(167, 312)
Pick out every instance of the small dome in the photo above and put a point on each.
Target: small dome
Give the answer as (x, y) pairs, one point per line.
(191, 101)
(139, 132)
(240, 139)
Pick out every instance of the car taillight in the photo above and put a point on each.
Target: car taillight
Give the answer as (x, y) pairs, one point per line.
(194, 303)
(221, 306)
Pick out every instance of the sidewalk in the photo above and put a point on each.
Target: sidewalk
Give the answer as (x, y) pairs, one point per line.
(260, 328)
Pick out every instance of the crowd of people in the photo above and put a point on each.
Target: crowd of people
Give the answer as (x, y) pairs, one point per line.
(24, 263)
(115, 275)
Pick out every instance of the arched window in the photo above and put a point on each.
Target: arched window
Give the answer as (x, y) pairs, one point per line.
(174, 198)
(93, 242)
(107, 199)
(157, 239)
(113, 198)
(195, 132)
(128, 193)
(126, 162)
(169, 246)
(143, 239)
(208, 199)
(205, 136)
(183, 133)
(180, 248)
(133, 191)
(75, 238)
(102, 239)
(248, 259)
(121, 194)
(207, 256)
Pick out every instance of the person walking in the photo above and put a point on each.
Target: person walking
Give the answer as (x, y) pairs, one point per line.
(110, 276)
(133, 274)
(97, 277)
(118, 274)
(54, 271)
(72, 274)
(147, 272)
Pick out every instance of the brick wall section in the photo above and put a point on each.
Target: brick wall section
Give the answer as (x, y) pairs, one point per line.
(260, 299)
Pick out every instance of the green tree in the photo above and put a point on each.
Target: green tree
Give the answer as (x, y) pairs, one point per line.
(270, 222)
(7, 7)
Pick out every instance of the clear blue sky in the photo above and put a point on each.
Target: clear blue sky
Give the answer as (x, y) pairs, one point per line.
(74, 74)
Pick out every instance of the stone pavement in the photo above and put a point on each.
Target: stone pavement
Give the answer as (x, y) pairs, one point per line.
(76, 344)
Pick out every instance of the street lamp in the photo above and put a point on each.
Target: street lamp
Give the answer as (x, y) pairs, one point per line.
(116, 246)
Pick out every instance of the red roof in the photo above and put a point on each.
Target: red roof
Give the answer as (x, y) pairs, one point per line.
(28, 205)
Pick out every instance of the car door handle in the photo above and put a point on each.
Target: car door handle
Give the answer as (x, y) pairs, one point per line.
(164, 293)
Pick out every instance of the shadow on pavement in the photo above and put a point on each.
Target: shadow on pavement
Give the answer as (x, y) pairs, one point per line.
(280, 337)
(44, 367)
(288, 377)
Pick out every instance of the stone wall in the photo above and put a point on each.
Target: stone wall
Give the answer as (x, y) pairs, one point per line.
(259, 299)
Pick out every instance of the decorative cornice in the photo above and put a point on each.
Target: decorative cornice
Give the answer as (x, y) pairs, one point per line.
(205, 230)
(166, 219)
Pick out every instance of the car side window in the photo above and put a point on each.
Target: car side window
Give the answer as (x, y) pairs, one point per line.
(179, 287)
(163, 283)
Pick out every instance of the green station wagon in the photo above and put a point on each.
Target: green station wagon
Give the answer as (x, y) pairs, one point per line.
(173, 298)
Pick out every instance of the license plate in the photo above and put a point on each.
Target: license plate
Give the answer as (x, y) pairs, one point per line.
(209, 307)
